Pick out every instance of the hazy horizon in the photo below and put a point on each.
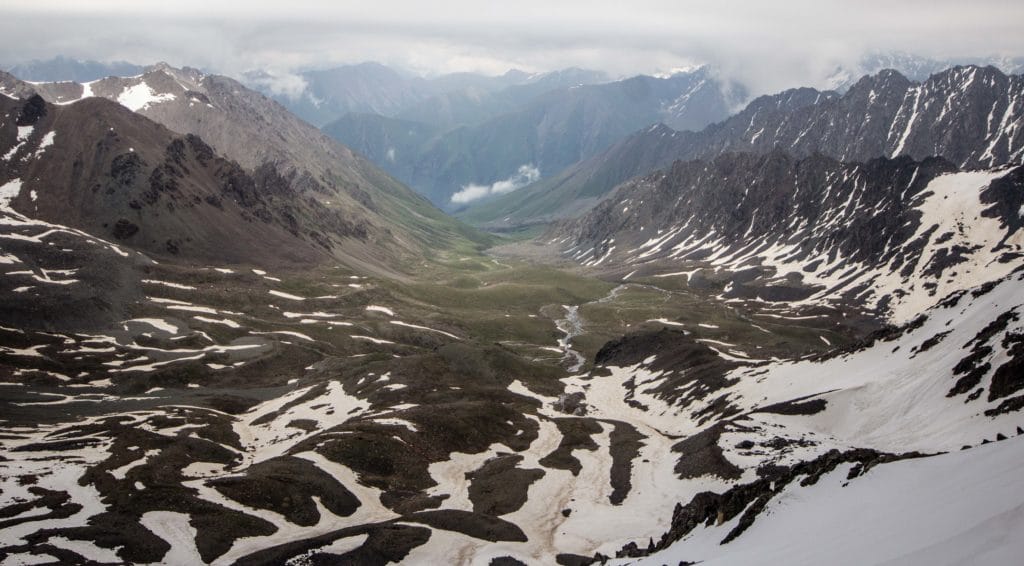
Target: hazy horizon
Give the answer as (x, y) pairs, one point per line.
(766, 47)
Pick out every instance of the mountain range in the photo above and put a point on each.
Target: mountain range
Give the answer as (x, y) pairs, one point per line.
(61, 68)
(914, 67)
(792, 335)
(322, 96)
(549, 131)
(281, 151)
(886, 235)
(969, 115)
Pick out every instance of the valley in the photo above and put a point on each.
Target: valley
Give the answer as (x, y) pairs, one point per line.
(389, 392)
(683, 324)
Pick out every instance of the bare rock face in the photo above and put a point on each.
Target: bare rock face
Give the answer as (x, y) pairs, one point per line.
(98, 167)
(32, 111)
(571, 404)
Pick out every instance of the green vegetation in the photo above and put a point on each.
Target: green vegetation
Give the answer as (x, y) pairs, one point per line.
(484, 301)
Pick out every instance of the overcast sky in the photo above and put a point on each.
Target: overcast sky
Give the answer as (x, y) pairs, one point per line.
(769, 45)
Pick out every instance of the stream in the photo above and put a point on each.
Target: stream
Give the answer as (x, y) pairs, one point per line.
(572, 326)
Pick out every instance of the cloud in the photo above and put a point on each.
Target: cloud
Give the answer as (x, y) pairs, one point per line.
(470, 193)
(525, 175)
(767, 46)
(283, 83)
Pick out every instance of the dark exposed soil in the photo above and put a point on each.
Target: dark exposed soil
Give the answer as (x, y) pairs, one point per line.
(499, 486)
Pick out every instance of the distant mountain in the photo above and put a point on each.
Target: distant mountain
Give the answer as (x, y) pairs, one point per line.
(552, 132)
(325, 95)
(388, 142)
(67, 69)
(888, 235)
(914, 67)
(971, 116)
(480, 102)
(260, 135)
(322, 96)
(579, 187)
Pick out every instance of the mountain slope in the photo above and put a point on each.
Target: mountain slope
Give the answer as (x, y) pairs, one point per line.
(839, 377)
(259, 134)
(914, 67)
(578, 188)
(260, 418)
(968, 115)
(828, 433)
(978, 485)
(889, 235)
(99, 167)
(971, 116)
(389, 142)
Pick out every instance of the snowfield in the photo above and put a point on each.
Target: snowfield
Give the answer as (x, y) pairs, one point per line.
(957, 508)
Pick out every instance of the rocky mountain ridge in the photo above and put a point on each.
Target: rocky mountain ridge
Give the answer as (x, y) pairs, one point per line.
(101, 168)
(260, 135)
(890, 235)
(971, 116)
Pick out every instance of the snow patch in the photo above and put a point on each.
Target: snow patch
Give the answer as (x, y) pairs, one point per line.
(141, 96)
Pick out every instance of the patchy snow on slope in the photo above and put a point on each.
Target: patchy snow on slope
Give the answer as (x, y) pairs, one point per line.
(222, 321)
(371, 339)
(141, 96)
(407, 325)
(46, 142)
(88, 550)
(284, 295)
(8, 191)
(292, 333)
(317, 314)
(62, 478)
(192, 308)
(957, 243)
(18, 227)
(157, 323)
(273, 438)
(965, 507)
(175, 529)
(892, 396)
(376, 308)
(86, 93)
(665, 321)
(23, 134)
(169, 284)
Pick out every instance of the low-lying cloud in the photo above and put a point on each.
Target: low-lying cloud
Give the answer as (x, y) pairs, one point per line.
(291, 85)
(525, 175)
